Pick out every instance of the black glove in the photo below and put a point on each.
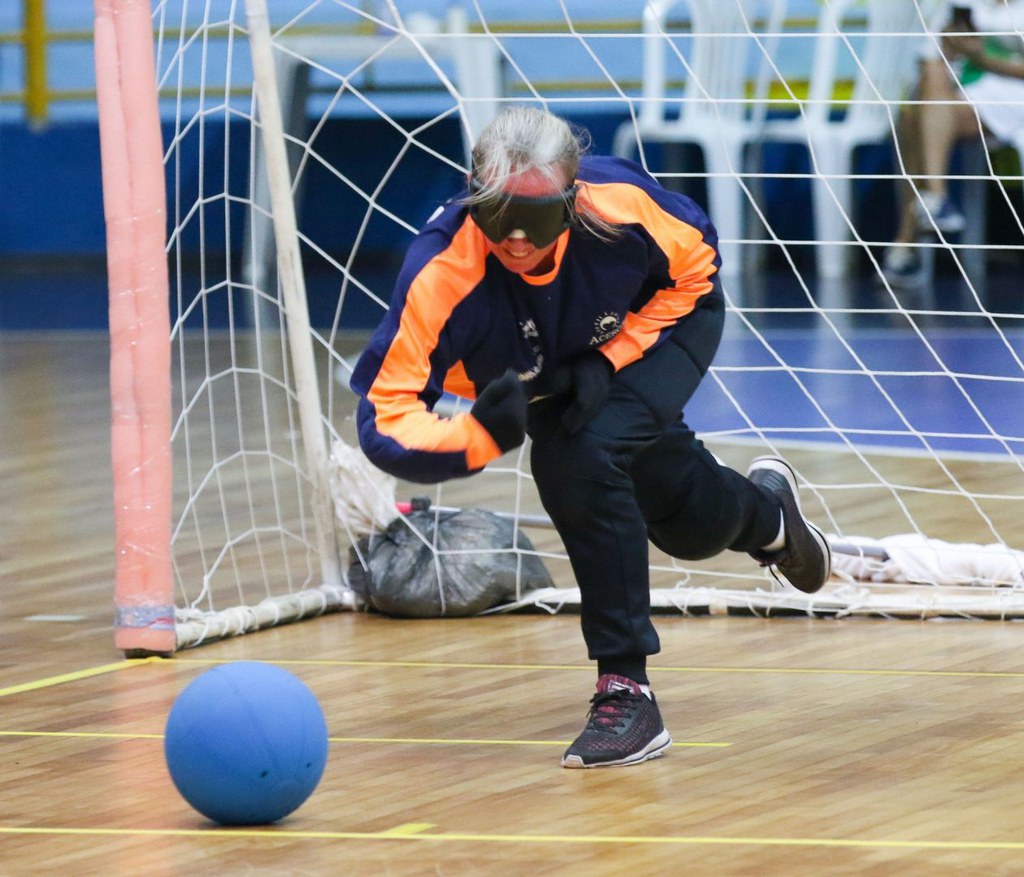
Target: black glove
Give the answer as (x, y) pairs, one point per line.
(501, 410)
(587, 379)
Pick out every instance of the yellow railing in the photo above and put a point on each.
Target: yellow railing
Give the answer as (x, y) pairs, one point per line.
(35, 60)
(35, 38)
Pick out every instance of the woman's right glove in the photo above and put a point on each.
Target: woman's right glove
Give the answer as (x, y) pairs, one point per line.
(501, 409)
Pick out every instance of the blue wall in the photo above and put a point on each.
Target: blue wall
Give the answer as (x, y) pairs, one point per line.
(50, 191)
(51, 196)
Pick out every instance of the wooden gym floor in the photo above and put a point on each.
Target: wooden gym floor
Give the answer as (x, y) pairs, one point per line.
(801, 747)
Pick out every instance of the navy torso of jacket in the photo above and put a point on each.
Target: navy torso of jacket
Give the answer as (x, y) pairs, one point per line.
(459, 318)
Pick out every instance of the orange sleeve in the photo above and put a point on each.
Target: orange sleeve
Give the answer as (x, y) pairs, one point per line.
(690, 265)
(458, 383)
(400, 413)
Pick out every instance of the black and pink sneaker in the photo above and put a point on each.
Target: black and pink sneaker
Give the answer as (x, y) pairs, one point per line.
(624, 727)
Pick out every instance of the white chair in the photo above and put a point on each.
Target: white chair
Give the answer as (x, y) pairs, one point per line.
(477, 76)
(972, 248)
(884, 68)
(714, 111)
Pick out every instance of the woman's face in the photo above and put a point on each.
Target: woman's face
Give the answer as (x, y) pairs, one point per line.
(516, 252)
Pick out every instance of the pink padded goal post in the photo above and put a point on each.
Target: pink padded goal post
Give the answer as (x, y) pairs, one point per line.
(134, 203)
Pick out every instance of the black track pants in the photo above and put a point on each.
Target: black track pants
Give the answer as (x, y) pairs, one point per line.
(637, 472)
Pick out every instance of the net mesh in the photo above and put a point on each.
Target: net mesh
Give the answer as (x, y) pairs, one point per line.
(898, 406)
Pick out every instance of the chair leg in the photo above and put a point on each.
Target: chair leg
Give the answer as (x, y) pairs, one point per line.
(624, 143)
(974, 198)
(726, 203)
(832, 196)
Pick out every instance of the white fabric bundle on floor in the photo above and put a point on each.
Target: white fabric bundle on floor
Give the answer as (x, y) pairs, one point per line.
(912, 557)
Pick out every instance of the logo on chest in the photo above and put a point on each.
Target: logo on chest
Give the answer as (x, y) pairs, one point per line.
(532, 337)
(606, 326)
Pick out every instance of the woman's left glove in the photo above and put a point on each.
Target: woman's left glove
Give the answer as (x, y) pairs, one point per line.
(587, 379)
(501, 409)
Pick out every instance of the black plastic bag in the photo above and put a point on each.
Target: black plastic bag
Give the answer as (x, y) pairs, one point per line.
(411, 575)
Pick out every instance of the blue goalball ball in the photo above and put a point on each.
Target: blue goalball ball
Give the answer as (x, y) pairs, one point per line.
(246, 743)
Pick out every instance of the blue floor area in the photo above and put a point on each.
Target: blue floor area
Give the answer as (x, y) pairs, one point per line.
(944, 390)
(950, 380)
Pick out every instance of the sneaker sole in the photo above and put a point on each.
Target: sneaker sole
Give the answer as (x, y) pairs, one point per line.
(655, 749)
(786, 471)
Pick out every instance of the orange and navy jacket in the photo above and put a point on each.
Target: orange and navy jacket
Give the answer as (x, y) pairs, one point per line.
(459, 319)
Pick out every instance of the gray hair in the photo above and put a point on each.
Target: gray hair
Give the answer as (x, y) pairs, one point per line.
(523, 138)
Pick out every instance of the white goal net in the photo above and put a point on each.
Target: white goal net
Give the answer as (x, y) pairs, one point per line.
(899, 405)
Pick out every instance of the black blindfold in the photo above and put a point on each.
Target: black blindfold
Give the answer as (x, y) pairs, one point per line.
(542, 219)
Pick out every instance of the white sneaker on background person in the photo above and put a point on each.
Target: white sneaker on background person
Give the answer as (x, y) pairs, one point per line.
(902, 267)
(937, 213)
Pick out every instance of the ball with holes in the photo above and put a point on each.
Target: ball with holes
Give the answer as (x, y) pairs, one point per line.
(246, 743)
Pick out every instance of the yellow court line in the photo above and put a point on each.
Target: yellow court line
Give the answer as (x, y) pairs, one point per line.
(89, 672)
(408, 829)
(474, 742)
(439, 665)
(457, 665)
(98, 735)
(848, 671)
(417, 832)
(76, 675)
(426, 741)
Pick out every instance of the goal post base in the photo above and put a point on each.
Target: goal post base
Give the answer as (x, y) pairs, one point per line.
(140, 642)
(139, 654)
